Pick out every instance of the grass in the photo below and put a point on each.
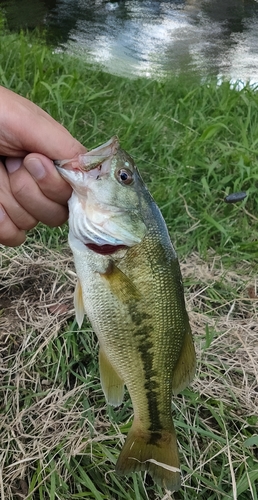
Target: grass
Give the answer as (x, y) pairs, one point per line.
(194, 143)
(59, 438)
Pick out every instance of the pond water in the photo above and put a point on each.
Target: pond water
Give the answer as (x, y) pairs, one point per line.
(150, 38)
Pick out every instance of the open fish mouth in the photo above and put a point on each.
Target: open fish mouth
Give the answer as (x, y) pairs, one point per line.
(89, 161)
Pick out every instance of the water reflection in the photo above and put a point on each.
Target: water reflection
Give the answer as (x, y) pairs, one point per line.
(144, 37)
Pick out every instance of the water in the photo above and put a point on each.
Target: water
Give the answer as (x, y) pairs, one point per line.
(150, 38)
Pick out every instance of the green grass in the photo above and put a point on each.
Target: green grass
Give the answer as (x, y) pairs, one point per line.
(194, 142)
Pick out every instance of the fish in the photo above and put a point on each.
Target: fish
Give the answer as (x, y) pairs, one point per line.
(130, 288)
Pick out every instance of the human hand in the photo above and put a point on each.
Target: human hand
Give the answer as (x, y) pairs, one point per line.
(31, 189)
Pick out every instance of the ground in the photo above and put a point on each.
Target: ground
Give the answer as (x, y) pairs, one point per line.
(52, 403)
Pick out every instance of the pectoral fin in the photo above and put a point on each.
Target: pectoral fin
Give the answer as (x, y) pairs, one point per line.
(185, 368)
(112, 384)
(78, 304)
(121, 286)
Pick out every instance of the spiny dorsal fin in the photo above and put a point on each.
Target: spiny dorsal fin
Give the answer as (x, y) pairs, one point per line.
(112, 384)
(78, 304)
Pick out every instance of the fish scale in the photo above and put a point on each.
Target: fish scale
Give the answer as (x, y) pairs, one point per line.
(132, 293)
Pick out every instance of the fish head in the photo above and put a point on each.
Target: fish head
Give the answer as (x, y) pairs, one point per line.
(106, 205)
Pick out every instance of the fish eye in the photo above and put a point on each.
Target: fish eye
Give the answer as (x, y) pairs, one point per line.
(124, 176)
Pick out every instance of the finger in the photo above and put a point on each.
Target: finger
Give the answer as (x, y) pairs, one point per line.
(29, 195)
(48, 179)
(10, 235)
(16, 213)
(26, 127)
(43, 173)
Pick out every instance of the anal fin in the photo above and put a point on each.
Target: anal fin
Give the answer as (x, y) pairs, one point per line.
(111, 382)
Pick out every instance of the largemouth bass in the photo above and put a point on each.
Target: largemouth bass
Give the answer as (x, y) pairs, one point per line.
(130, 287)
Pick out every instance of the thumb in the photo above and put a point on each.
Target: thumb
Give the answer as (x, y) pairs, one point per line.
(50, 182)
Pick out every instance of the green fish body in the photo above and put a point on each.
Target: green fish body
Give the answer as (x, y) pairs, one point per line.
(130, 287)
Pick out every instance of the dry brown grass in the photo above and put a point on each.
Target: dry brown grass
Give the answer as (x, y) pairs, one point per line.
(233, 354)
(42, 415)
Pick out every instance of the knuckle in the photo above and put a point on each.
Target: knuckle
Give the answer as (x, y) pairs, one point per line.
(19, 190)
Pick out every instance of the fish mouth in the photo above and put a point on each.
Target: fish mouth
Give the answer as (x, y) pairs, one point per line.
(88, 167)
(105, 249)
(90, 160)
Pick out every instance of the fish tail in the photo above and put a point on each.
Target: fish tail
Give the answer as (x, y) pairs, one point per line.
(155, 452)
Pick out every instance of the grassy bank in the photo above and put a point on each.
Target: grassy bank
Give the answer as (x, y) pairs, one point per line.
(194, 143)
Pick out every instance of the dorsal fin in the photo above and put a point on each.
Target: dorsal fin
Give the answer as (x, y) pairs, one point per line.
(186, 364)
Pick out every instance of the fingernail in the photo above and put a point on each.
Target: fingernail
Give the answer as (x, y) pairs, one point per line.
(35, 168)
(12, 164)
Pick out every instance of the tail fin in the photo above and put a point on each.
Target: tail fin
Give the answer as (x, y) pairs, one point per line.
(155, 452)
